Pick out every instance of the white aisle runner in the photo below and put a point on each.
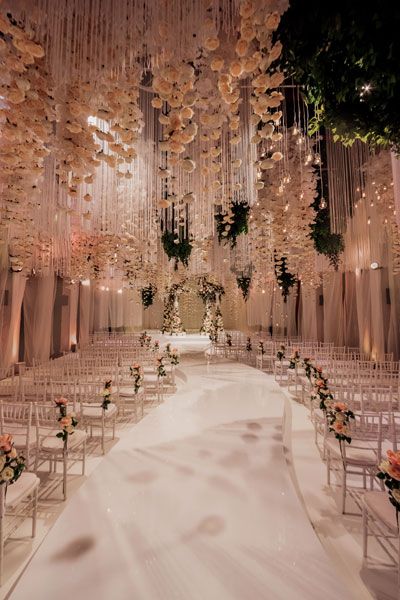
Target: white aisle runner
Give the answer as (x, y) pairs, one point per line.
(195, 503)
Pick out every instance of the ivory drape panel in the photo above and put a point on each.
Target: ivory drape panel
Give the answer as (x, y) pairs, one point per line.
(333, 308)
(84, 313)
(38, 305)
(12, 319)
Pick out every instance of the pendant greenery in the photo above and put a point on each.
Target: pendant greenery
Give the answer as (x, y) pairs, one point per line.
(176, 248)
(148, 294)
(244, 283)
(327, 243)
(237, 220)
(346, 56)
(285, 279)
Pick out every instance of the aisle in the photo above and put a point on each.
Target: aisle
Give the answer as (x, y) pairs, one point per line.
(196, 503)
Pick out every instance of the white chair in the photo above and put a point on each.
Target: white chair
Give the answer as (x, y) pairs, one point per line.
(16, 419)
(93, 414)
(17, 502)
(51, 448)
(361, 457)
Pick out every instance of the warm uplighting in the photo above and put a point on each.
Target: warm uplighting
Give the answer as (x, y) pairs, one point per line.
(374, 266)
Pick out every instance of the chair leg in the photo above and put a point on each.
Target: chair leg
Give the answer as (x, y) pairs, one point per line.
(84, 458)
(65, 468)
(328, 467)
(34, 513)
(365, 531)
(344, 490)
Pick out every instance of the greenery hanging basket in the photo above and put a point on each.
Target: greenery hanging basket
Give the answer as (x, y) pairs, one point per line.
(148, 294)
(232, 223)
(176, 248)
(244, 283)
(284, 278)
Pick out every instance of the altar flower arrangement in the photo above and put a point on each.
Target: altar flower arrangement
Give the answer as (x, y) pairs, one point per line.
(261, 348)
(174, 356)
(280, 355)
(67, 423)
(294, 359)
(168, 350)
(106, 394)
(137, 374)
(390, 474)
(161, 372)
(156, 345)
(11, 465)
(229, 340)
(142, 338)
(248, 345)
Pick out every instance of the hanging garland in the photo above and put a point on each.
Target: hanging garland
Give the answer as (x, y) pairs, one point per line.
(284, 278)
(210, 291)
(148, 294)
(244, 283)
(175, 248)
(232, 223)
(327, 243)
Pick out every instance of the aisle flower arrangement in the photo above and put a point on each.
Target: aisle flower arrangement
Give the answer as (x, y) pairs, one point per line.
(280, 355)
(67, 423)
(390, 475)
(137, 375)
(106, 394)
(11, 465)
(261, 348)
(249, 347)
(156, 345)
(174, 357)
(338, 416)
(228, 340)
(294, 359)
(161, 372)
(168, 350)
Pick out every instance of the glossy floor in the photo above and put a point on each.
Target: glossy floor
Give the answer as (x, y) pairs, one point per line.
(195, 502)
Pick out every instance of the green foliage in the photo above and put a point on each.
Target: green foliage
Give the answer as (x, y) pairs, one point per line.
(284, 278)
(210, 291)
(244, 283)
(346, 55)
(148, 294)
(176, 248)
(325, 242)
(239, 213)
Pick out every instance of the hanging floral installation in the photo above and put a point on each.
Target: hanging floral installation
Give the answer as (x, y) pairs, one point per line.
(232, 223)
(177, 248)
(148, 294)
(244, 283)
(284, 278)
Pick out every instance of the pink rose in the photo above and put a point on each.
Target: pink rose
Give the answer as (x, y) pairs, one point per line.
(65, 421)
(340, 406)
(339, 427)
(6, 442)
(61, 401)
(394, 458)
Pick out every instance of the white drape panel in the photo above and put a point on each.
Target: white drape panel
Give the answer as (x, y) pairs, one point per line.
(333, 308)
(351, 336)
(132, 310)
(38, 306)
(3, 285)
(289, 314)
(116, 309)
(153, 315)
(393, 337)
(377, 321)
(363, 297)
(101, 320)
(73, 313)
(308, 314)
(84, 314)
(16, 287)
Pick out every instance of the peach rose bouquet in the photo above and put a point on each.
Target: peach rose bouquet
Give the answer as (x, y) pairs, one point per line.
(66, 422)
(11, 465)
(390, 475)
(137, 374)
(339, 417)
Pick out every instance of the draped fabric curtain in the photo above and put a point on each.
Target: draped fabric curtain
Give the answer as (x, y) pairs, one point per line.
(393, 336)
(12, 319)
(363, 299)
(308, 314)
(84, 314)
(377, 315)
(333, 308)
(133, 310)
(3, 286)
(396, 185)
(351, 333)
(38, 306)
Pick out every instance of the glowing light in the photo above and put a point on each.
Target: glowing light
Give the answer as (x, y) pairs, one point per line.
(374, 266)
